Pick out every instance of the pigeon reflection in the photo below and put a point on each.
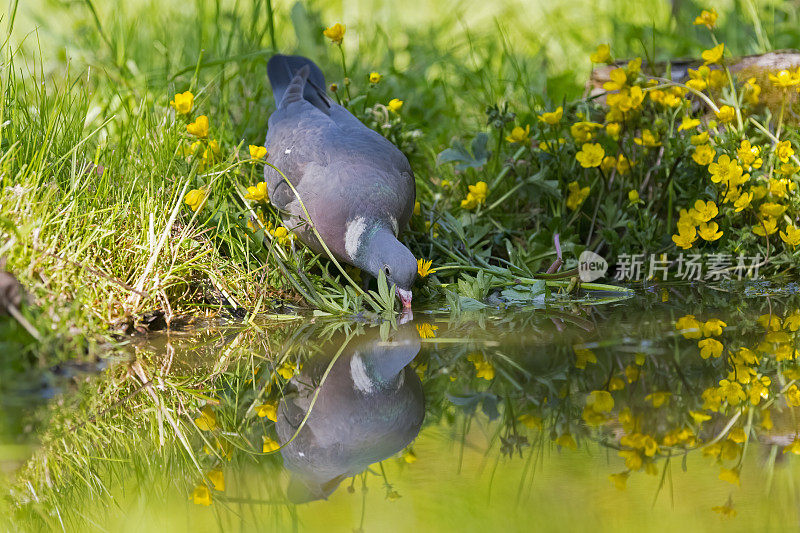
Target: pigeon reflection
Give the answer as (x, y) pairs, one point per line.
(370, 407)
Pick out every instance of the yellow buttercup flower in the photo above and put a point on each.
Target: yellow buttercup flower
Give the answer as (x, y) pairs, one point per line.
(685, 237)
(576, 195)
(609, 162)
(375, 77)
(767, 226)
(552, 117)
(612, 129)
(258, 193)
(725, 170)
(335, 33)
(287, 370)
(183, 102)
(705, 210)
(709, 231)
(623, 164)
(688, 123)
(713, 55)
(726, 114)
(749, 154)
(784, 151)
(700, 138)
(258, 152)
(195, 198)
(618, 80)
(703, 154)
(199, 128)
(784, 79)
(743, 201)
(791, 236)
(269, 410)
(395, 104)
(633, 196)
(519, 135)
(590, 155)
(771, 209)
(707, 19)
(282, 235)
(697, 78)
(582, 131)
(602, 54)
(424, 268)
(752, 92)
(476, 196)
(647, 139)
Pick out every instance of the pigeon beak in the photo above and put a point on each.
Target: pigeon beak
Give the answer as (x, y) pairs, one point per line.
(405, 297)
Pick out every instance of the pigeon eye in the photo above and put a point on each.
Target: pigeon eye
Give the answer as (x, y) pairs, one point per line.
(387, 271)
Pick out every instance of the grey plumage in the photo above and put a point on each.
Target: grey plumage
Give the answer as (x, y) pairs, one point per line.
(370, 407)
(356, 185)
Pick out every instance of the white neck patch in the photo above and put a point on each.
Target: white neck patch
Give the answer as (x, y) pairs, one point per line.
(352, 236)
(359, 374)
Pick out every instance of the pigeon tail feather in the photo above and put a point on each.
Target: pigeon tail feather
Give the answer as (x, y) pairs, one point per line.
(283, 70)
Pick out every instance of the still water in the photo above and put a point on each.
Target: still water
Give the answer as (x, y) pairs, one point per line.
(672, 409)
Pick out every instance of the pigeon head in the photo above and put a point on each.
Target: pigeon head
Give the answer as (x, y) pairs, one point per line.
(383, 252)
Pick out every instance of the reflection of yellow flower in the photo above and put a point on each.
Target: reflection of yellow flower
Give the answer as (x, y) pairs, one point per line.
(201, 495)
(199, 128)
(658, 398)
(207, 420)
(583, 356)
(619, 480)
(730, 475)
(426, 330)
(258, 152)
(483, 368)
(710, 348)
(269, 410)
(424, 268)
(602, 54)
(601, 401)
(713, 55)
(258, 193)
(270, 445)
(395, 104)
(195, 198)
(530, 421)
(519, 134)
(183, 102)
(567, 441)
(726, 510)
(335, 33)
(794, 447)
(217, 478)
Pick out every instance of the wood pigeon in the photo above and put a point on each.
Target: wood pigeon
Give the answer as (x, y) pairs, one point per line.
(370, 406)
(356, 185)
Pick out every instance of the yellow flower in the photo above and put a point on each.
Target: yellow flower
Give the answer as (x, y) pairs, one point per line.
(269, 410)
(647, 139)
(409, 456)
(717, 79)
(699, 417)
(567, 441)
(794, 447)
(771, 209)
(707, 19)
(743, 201)
(282, 235)
(602, 54)
(752, 91)
(426, 331)
(395, 104)
(335, 33)
(590, 155)
(689, 327)
(626, 99)
(552, 117)
(609, 162)
(700, 138)
(476, 196)
(616, 383)
(183, 102)
(217, 478)
(424, 268)
(483, 368)
(530, 421)
(685, 237)
(258, 152)
(287, 370)
(258, 193)
(612, 129)
(726, 114)
(195, 198)
(658, 398)
(705, 210)
(576, 195)
(749, 154)
(207, 421)
(784, 151)
(713, 55)
(583, 356)
(519, 135)
(374, 77)
(697, 78)
(199, 128)
(708, 231)
(730, 475)
(633, 196)
(623, 165)
(618, 80)
(731, 391)
(601, 401)
(784, 79)
(582, 131)
(688, 123)
(201, 495)
(270, 445)
(713, 327)
(791, 236)
(418, 206)
(726, 510)
(767, 226)
(710, 348)
(703, 154)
